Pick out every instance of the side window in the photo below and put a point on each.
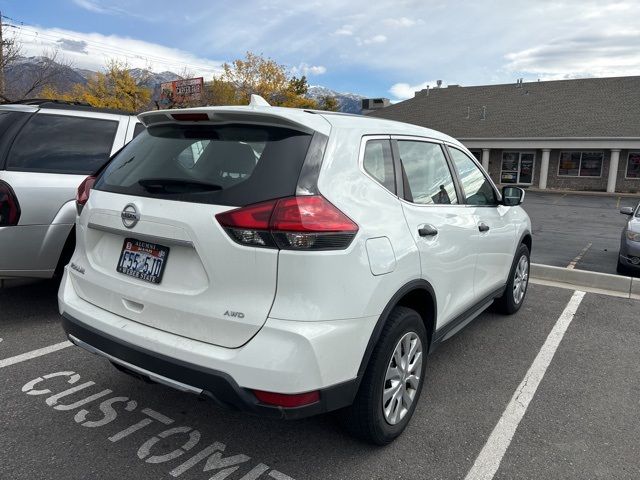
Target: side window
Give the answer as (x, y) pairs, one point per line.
(378, 163)
(427, 178)
(475, 185)
(62, 144)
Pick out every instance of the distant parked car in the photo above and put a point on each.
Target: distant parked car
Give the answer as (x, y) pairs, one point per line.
(47, 148)
(629, 257)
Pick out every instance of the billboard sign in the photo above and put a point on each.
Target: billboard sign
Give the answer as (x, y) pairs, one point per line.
(181, 92)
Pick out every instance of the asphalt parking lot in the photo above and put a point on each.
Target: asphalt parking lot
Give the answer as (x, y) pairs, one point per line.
(582, 420)
(583, 230)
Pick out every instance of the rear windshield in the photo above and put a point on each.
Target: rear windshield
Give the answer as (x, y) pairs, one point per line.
(226, 165)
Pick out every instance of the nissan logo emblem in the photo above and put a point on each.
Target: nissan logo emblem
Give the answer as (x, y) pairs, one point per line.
(130, 216)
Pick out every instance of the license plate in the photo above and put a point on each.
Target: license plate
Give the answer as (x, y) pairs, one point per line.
(143, 260)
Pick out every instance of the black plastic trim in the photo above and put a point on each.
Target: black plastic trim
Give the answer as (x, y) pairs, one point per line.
(218, 386)
(377, 331)
(440, 334)
(526, 233)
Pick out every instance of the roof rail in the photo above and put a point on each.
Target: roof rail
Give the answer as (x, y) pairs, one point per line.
(66, 104)
(40, 101)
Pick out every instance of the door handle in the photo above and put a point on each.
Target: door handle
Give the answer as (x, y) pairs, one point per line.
(483, 227)
(427, 231)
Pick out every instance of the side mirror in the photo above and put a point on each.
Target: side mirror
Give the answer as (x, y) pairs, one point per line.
(626, 210)
(512, 196)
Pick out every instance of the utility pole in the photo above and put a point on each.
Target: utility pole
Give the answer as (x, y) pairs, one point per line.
(1, 59)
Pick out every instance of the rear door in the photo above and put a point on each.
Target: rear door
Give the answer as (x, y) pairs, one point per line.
(496, 226)
(444, 229)
(53, 152)
(170, 182)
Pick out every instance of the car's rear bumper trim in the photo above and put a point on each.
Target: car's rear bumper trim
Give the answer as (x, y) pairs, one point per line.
(215, 385)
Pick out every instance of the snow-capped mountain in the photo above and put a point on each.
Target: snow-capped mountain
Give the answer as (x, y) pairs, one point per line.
(151, 79)
(23, 70)
(349, 102)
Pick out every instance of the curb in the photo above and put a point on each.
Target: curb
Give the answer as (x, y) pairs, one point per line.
(618, 285)
(583, 192)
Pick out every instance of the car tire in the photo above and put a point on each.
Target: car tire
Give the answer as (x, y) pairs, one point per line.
(516, 289)
(377, 419)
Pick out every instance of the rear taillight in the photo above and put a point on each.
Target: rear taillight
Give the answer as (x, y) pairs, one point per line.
(295, 223)
(82, 195)
(9, 206)
(287, 400)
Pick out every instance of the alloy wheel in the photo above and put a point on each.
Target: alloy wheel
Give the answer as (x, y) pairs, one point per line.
(402, 378)
(521, 279)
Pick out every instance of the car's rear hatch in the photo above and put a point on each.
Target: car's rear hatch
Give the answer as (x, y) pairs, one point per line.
(189, 276)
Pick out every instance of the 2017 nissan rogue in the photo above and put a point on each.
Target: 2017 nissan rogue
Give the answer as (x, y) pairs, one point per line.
(288, 262)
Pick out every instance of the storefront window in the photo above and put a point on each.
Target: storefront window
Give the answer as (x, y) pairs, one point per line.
(633, 165)
(517, 167)
(580, 164)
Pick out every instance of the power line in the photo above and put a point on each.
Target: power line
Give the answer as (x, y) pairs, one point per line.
(24, 29)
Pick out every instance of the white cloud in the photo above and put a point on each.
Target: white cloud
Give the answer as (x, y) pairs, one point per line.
(344, 30)
(600, 54)
(307, 70)
(93, 50)
(403, 22)
(403, 91)
(371, 40)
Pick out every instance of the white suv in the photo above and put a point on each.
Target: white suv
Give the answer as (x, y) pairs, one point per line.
(288, 262)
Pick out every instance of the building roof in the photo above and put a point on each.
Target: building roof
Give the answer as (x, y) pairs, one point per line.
(590, 107)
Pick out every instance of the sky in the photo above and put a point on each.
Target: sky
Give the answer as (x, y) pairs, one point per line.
(376, 48)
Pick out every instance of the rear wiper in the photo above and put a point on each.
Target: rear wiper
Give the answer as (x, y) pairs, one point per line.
(176, 185)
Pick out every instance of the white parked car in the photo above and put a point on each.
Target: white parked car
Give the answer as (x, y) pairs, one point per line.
(47, 148)
(288, 262)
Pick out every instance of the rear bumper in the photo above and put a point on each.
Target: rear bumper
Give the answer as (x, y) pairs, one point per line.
(287, 357)
(218, 386)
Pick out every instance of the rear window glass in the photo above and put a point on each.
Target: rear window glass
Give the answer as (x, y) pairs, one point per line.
(62, 144)
(227, 165)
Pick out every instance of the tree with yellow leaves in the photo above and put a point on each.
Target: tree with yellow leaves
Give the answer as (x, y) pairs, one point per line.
(115, 88)
(256, 74)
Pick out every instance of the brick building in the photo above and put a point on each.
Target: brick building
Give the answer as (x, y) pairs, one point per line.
(581, 134)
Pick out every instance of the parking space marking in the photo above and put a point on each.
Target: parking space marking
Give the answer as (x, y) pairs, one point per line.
(34, 354)
(578, 257)
(490, 457)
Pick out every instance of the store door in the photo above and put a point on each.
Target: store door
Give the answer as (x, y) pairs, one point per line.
(517, 167)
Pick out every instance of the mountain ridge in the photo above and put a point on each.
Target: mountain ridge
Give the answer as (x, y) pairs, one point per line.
(20, 73)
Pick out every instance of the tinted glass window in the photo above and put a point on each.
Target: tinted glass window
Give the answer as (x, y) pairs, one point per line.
(10, 123)
(426, 174)
(61, 144)
(475, 185)
(138, 129)
(227, 165)
(378, 163)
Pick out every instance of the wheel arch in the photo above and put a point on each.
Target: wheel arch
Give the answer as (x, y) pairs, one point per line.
(418, 295)
(526, 239)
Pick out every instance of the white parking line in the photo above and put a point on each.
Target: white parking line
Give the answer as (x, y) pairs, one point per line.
(488, 461)
(34, 353)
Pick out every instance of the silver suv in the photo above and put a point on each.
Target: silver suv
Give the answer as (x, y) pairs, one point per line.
(47, 149)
